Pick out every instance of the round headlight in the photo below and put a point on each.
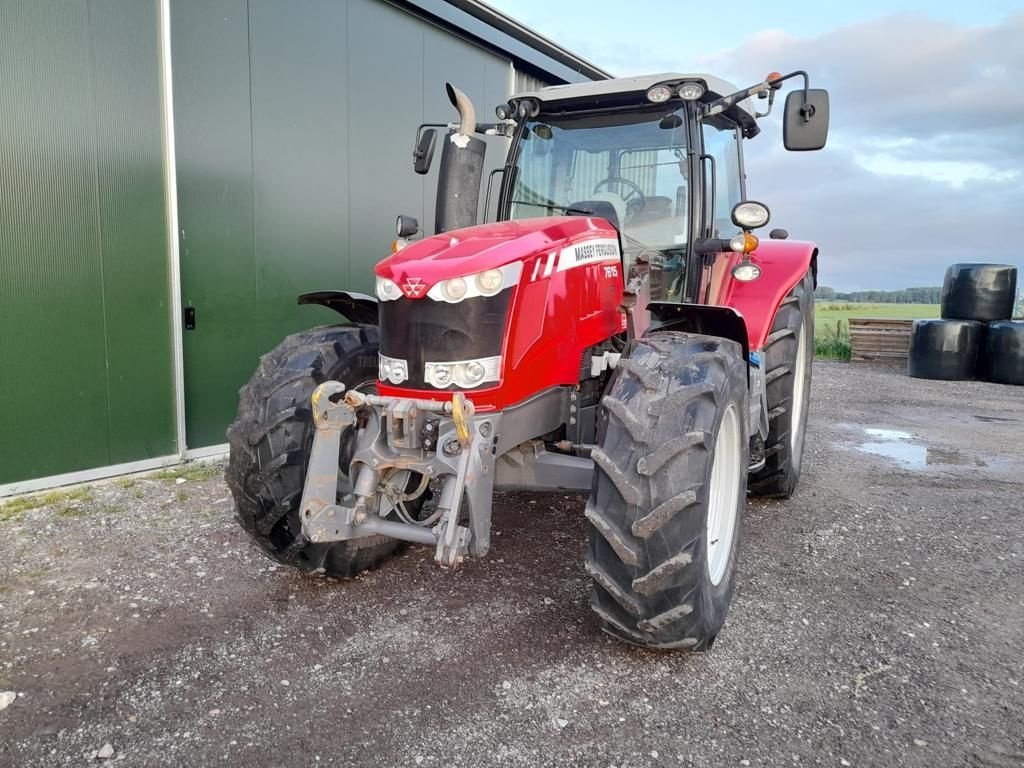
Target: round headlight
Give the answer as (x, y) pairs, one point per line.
(387, 290)
(441, 376)
(746, 271)
(455, 288)
(750, 215)
(659, 93)
(691, 91)
(489, 282)
(470, 374)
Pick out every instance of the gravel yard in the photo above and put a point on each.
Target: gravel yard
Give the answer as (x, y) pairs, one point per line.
(878, 621)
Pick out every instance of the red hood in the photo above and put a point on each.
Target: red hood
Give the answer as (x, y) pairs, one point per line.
(468, 251)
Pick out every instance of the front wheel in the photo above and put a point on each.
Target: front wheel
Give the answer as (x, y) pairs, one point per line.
(272, 436)
(670, 477)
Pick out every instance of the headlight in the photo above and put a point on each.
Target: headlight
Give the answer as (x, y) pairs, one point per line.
(487, 283)
(387, 290)
(746, 271)
(392, 369)
(454, 289)
(463, 373)
(659, 93)
(439, 375)
(750, 215)
(691, 91)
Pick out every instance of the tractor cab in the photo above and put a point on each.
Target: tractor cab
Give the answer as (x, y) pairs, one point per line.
(659, 157)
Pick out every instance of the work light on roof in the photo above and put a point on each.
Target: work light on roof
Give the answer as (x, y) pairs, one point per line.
(691, 91)
(659, 93)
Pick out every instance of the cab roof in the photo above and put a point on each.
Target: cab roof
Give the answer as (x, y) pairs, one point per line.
(622, 90)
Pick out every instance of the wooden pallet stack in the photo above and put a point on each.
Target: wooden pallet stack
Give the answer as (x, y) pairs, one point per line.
(879, 340)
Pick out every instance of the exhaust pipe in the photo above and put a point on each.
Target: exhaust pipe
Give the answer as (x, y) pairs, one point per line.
(461, 170)
(467, 112)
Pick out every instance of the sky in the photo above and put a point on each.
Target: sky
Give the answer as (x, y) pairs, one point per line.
(924, 165)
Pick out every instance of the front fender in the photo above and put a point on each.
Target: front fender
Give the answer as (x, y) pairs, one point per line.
(357, 307)
(783, 264)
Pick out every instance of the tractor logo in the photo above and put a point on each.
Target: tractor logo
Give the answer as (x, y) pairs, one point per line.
(413, 287)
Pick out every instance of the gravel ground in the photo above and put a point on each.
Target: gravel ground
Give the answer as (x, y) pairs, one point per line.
(878, 621)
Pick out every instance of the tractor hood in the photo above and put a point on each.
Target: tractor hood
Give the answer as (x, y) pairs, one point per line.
(464, 252)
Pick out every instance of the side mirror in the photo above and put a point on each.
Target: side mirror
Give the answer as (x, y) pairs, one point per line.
(779, 234)
(423, 155)
(805, 124)
(406, 226)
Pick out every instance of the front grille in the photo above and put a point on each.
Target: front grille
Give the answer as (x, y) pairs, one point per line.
(422, 330)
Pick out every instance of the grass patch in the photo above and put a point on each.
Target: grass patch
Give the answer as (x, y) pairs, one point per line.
(13, 510)
(181, 496)
(827, 314)
(126, 483)
(196, 472)
(832, 341)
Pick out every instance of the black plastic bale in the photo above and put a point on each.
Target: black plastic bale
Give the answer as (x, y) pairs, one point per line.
(983, 292)
(1002, 355)
(944, 349)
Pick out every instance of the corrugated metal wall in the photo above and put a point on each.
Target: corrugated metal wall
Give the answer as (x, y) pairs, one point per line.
(85, 355)
(294, 128)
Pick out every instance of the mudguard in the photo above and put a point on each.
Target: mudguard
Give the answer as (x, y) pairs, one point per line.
(783, 264)
(357, 307)
(724, 322)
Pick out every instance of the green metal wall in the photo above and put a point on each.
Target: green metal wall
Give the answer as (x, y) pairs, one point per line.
(85, 338)
(294, 126)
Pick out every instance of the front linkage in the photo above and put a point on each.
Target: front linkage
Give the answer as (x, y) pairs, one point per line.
(401, 442)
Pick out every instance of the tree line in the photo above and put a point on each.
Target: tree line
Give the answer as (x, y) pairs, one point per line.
(931, 295)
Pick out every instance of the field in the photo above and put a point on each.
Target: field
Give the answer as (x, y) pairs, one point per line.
(827, 314)
(832, 322)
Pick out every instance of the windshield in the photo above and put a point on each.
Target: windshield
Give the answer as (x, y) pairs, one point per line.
(628, 166)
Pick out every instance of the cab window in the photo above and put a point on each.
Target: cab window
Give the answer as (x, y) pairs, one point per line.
(721, 141)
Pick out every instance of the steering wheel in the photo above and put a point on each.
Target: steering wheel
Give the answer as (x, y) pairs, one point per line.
(633, 194)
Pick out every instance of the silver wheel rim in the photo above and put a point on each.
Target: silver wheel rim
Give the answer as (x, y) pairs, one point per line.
(724, 495)
(799, 392)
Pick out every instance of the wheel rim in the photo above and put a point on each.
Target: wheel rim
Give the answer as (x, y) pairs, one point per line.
(799, 392)
(724, 495)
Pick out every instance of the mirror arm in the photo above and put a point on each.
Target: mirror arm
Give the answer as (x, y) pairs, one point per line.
(720, 105)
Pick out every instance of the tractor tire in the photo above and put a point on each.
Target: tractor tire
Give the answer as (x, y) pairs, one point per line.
(787, 358)
(271, 438)
(673, 427)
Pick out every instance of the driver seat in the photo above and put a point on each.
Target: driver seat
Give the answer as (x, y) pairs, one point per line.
(606, 205)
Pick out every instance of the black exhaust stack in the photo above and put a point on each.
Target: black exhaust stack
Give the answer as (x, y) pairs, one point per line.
(462, 168)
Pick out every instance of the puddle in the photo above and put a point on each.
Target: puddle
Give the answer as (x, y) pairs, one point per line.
(896, 445)
(888, 434)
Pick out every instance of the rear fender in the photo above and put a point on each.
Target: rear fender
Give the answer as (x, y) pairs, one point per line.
(357, 307)
(783, 265)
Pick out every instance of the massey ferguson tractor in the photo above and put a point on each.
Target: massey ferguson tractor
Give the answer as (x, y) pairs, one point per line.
(618, 330)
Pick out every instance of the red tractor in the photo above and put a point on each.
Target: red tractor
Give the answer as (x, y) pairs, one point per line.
(618, 331)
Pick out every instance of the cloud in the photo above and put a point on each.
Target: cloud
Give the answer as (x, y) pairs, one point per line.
(925, 163)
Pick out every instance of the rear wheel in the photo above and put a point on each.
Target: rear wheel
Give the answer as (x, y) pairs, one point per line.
(271, 438)
(788, 355)
(669, 491)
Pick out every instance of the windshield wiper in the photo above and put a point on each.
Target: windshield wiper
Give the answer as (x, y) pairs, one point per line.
(553, 207)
